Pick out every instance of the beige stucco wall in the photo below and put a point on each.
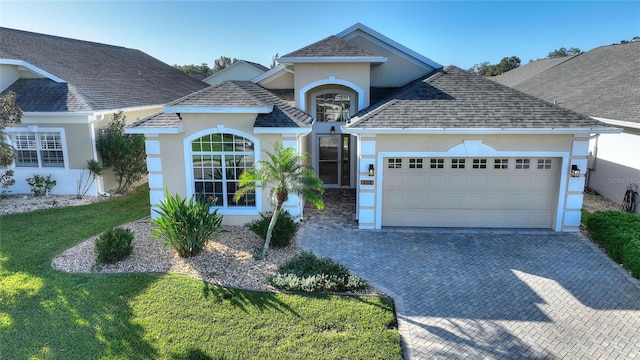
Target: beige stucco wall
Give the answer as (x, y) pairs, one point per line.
(437, 143)
(172, 155)
(281, 80)
(355, 73)
(396, 71)
(237, 71)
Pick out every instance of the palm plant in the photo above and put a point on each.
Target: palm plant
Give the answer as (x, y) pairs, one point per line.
(283, 172)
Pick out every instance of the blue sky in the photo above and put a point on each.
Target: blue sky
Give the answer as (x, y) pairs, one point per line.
(460, 33)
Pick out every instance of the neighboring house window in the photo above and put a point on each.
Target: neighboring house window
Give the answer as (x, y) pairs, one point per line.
(544, 164)
(218, 161)
(501, 163)
(479, 163)
(522, 163)
(437, 163)
(333, 106)
(38, 149)
(395, 163)
(415, 163)
(457, 163)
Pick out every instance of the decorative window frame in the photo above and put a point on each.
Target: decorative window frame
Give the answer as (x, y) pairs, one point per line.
(352, 102)
(9, 136)
(188, 164)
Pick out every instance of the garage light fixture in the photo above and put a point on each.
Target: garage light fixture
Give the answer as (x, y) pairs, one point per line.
(371, 171)
(333, 130)
(575, 172)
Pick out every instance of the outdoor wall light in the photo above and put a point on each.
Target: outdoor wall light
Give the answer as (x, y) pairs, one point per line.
(333, 130)
(575, 172)
(371, 171)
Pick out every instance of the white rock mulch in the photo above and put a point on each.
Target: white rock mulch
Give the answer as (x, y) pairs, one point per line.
(227, 260)
(14, 204)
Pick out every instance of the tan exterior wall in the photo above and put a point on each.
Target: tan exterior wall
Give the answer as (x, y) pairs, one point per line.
(240, 71)
(396, 71)
(355, 73)
(283, 80)
(385, 143)
(171, 156)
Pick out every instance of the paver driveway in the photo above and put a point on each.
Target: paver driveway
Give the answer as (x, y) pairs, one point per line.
(490, 295)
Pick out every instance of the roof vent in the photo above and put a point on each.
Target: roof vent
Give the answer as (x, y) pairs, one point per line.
(139, 73)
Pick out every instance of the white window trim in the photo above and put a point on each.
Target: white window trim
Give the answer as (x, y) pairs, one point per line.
(188, 166)
(475, 148)
(332, 81)
(37, 130)
(352, 103)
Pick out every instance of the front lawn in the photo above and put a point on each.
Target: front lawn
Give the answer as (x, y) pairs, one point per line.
(48, 314)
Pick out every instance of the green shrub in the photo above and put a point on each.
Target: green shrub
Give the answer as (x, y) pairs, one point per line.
(631, 257)
(186, 225)
(113, 245)
(284, 230)
(612, 230)
(41, 185)
(308, 273)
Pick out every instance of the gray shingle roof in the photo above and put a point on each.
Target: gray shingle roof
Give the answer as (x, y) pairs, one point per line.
(602, 83)
(524, 72)
(234, 94)
(331, 46)
(98, 76)
(454, 98)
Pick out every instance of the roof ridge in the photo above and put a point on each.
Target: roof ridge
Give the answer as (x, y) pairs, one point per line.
(61, 38)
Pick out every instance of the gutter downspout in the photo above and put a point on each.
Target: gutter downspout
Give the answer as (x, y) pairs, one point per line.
(94, 149)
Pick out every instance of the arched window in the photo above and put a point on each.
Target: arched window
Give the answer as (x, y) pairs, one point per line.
(217, 160)
(333, 106)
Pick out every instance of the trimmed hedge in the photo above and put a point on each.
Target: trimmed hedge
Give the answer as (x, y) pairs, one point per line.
(619, 234)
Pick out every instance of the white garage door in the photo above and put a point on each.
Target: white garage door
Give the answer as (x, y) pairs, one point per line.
(470, 192)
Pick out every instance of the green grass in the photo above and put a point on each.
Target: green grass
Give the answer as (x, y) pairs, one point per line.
(52, 315)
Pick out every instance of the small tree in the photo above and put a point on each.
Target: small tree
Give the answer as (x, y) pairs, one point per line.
(10, 113)
(283, 173)
(123, 153)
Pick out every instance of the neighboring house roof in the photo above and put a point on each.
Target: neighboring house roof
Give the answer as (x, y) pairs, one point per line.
(453, 98)
(231, 97)
(602, 83)
(89, 76)
(239, 70)
(521, 73)
(331, 48)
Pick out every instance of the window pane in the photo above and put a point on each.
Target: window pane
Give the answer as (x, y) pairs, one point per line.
(52, 159)
(26, 158)
(217, 169)
(333, 107)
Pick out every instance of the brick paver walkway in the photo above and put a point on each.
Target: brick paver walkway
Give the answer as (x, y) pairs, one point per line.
(463, 294)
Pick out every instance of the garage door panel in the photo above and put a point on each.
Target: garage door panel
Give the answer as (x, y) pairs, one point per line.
(452, 197)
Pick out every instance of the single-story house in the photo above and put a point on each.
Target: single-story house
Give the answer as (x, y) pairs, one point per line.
(239, 70)
(422, 145)
(602, 83)
(69, 89)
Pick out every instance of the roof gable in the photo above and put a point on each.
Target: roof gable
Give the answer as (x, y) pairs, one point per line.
(105, 76)
(330, 49)
(272, 111)
(456, 99)
(360, 29)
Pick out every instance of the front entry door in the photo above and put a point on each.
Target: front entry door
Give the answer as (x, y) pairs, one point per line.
(334, 159)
